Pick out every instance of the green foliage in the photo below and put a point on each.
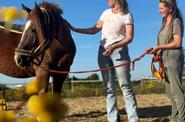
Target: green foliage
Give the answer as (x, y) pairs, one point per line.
(148, 87)
(14, 26)
(16, 94)
(20, 93)
(88, 89)
(2, 87)
(82, 89)
(91, 88)
(2, 23)
(10, 95)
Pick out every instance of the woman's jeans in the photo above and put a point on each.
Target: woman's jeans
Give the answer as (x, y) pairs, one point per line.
(119, 56)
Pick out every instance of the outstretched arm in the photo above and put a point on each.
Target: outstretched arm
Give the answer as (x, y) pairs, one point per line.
(92, 30)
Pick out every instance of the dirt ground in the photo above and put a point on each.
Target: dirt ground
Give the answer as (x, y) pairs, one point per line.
(152, 108)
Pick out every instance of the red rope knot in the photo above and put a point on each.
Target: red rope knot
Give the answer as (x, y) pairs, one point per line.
(149, 50)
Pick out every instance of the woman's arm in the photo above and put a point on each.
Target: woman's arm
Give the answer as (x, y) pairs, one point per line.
(92, 30)
(175, 43)
(129, 36)
(177, 37)
(129, 28)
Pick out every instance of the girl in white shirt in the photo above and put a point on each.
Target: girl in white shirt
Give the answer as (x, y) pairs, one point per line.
(117, 28)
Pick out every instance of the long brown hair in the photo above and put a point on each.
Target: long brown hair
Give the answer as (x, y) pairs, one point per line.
(175, 11)
(122, 5)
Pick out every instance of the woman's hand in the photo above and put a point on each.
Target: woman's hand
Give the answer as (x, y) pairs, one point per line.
(155, 50)
(109, 50)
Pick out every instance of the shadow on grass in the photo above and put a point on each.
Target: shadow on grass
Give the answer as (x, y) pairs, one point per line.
(146, 112)
(92, 114)
(152, 112)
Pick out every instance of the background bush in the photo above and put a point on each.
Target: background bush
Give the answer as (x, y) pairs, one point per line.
(90, 88)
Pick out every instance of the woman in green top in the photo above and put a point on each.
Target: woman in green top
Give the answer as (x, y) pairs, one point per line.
(170, 49)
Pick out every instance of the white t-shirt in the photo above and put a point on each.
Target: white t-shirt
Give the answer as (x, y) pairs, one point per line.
(113, 29)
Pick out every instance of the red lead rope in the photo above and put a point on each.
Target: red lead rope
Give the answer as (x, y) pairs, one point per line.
(97, 70)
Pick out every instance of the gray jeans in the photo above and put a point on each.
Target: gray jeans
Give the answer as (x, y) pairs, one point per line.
(174, 90)
(119, 56)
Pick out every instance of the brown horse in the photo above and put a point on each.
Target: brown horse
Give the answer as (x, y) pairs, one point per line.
(46, 41)
(8, 42)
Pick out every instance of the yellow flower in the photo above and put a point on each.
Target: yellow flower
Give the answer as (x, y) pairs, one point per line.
(9, 14)
(7, 116)
(27, 120)
(46, 117)
(34, 87)
(48, 107)
(35, 104)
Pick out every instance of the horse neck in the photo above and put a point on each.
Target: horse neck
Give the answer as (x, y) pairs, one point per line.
(64, 35)
(63, 38)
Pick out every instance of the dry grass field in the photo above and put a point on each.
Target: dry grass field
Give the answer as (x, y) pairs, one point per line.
(152, 108)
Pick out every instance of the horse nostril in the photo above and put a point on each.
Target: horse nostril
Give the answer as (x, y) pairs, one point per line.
(19, 60)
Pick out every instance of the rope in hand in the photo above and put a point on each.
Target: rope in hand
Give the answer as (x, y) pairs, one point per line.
(97, 70)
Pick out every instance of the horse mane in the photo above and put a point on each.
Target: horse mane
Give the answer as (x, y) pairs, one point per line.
(48, 30)
(52, 7)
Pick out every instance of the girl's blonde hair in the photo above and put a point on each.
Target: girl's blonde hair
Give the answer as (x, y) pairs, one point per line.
(122, 5)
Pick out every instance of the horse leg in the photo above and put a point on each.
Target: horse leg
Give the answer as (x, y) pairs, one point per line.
(43, 77)
(58, 81)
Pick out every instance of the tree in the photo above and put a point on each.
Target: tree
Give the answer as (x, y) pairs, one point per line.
(2, 87)
(74, 78)
(93, 76)
(14, 26)
(67, 78)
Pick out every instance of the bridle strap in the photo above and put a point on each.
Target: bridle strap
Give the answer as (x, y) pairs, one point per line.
(39, 50)
(23, 52)
(46, 15)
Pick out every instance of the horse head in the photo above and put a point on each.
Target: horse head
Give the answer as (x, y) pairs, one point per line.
(46, 41)
(38, 33)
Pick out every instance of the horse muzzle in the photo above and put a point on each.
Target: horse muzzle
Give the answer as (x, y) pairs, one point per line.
(22, 61)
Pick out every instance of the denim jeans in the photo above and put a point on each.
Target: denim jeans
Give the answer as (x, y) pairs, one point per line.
(119, 56)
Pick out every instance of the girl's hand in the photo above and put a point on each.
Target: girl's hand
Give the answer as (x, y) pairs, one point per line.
(109, 50)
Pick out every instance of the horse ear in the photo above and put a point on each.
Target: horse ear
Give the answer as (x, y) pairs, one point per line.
(37, 6)
(26, 8)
